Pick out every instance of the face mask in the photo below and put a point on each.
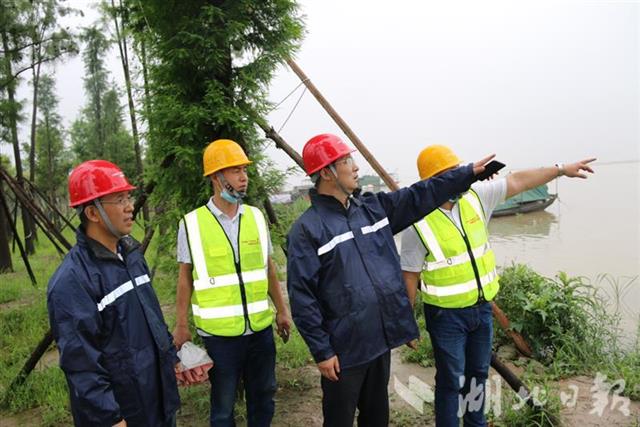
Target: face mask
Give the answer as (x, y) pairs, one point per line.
(230, 197)
(229, 193)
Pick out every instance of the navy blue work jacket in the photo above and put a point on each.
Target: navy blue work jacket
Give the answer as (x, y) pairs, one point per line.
(345, 285)
(115, 349)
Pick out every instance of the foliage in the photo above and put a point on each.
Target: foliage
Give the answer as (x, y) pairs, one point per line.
(99, 132)
(52, 160)
(516, 413)
(423, 356)
(211, 63)
(287, 215)
(33, 35)
(564, 320)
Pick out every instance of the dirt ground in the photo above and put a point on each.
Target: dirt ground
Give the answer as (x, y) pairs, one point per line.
(298, 400)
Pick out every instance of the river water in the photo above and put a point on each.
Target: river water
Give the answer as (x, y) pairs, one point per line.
(592, 229)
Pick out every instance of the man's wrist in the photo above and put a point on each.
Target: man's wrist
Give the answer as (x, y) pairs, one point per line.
(560, 167)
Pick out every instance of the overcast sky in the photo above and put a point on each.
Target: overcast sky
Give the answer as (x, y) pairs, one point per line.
(535, 82)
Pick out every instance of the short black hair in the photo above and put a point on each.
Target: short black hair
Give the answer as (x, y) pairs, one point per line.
(84, 221)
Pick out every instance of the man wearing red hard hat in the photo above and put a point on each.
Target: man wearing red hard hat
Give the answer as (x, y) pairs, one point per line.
(346, 291)
(115, 349)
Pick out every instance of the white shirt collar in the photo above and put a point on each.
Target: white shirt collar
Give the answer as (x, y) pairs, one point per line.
(219, 214)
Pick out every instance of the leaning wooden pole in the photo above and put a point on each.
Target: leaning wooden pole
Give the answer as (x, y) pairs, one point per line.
(519, 341)
(344, 126)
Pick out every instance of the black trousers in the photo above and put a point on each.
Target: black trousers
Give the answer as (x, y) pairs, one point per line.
(363, 387)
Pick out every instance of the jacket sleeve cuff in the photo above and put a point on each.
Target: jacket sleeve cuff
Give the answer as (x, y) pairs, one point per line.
(321, 356)
(470, 177)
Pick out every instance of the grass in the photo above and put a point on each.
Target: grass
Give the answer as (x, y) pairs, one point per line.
(23, 323)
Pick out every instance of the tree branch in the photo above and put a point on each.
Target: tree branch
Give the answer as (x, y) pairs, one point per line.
(8, 81)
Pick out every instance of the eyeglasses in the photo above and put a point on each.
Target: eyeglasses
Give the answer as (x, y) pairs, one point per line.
(123, 201)
(345, 161)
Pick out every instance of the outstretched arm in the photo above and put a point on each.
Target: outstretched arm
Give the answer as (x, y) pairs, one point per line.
(518, 182)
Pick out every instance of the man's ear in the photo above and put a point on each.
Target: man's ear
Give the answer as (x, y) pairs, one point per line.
(326, 174)
(92, 214)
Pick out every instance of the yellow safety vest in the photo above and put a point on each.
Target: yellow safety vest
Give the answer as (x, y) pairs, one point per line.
(226, 296)
(460, 266)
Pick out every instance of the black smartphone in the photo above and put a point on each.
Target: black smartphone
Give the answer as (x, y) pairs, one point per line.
(491, 168)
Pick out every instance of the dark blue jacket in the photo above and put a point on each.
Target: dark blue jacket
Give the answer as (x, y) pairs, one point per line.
(345, 285)
(115, 348)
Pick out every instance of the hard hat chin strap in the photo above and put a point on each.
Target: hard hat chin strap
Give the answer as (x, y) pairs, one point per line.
(334, 171)
(106, 220)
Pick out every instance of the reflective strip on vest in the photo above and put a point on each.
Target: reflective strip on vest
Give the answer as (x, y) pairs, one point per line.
(229, 311)
(327, 247)
(229, 279)
(197, 254)
(262, 233)
(375, 227)
(462, 288)
(431, 240)
(112, 296)
(458, 259)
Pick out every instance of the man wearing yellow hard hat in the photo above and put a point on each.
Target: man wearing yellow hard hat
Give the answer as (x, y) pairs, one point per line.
(449, 250)
(226, 271)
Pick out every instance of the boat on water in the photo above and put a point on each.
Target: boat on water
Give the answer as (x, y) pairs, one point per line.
(532, 200)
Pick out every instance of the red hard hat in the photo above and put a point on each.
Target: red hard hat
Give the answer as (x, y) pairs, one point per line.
(322, 150)
(93, 179)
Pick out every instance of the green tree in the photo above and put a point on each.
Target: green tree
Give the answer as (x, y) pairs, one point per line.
(47, 40)
(120, 17)
(24, 30)
(52, 164)
(209, 69)
(95, 83)
(99, 132)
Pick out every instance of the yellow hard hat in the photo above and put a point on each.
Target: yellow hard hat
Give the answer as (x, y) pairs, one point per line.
(221, 154)
(434, 159)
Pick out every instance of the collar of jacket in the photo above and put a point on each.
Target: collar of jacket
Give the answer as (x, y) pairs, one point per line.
(127, 244)
(330, 202)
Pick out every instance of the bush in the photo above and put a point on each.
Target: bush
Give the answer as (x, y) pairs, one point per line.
(563, 320)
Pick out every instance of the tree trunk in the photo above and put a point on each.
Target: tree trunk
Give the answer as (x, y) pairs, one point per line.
(124, 56)
(27, 222)
(5, 252)
(34, 114)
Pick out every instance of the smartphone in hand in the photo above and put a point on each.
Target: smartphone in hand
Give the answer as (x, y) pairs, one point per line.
(490, 169)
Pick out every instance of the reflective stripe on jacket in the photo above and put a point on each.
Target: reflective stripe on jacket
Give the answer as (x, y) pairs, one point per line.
(460, 264)
(227, 294)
